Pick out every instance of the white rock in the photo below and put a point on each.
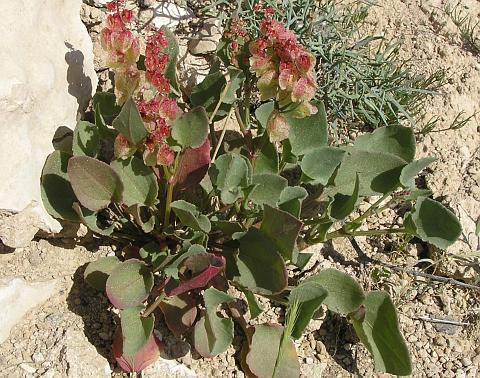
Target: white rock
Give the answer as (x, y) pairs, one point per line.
(27, 368)
(18, 230)
(169, 14)
(46, 61)
(81, 357)
(17, 297)
(164, 368)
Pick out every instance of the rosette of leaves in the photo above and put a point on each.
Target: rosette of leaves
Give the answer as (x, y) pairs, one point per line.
(236, 212)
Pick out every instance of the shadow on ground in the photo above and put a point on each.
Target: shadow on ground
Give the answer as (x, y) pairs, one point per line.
(93, 307)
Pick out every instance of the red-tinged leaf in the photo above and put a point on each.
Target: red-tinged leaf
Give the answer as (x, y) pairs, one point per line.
(203, 267)
(148, 354)
(193, 166)
(180, 313)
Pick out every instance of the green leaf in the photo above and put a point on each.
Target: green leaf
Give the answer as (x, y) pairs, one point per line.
(266, 160)
(97, 272)
(264, 352)
(139, 182)
(309, 133)
(268, 188)
(153, 254)
(236, 79)
(208, 92)
(320, 164)
(256, 253)
(172, 50)
(142, 217)
(411, 170)
(434, 223)
(254, 307)
(342, 205)
(129, 123)
(129, 284)
(282, 228)
(105, 104)
(262, 113)
(57, 194)
(229, 174)
(94, 183)
(344, 294)
(90, 219)
(191, 129)
(63, 140)
(212, 334)
(395, 140)
(291, 199)
(377, 327)
(180, 313)
(190, 216)
(378, 172)
(172, 269)
(309, 295)
(136, 329)
(86, 139)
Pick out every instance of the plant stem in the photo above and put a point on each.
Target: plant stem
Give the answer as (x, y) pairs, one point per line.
(224, 129)
(154, 305)
(371, 209)
(342, 233)
(214, 113)
(166, 220)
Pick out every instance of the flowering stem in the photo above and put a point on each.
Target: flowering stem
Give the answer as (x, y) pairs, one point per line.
(154, 305)
(342, 233)
(224, 129)
(166, 220)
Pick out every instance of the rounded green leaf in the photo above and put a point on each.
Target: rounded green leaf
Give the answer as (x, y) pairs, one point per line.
(291, 199)
(86, 139)
(256, 253)
(190, 216)
(263, 113)
(434, 223)
(90, 219)
(139, 182)
(321, 163)
(411, 170)
(57, 194)
(267, 189)
(212, 334)
(263, 357)
(129, 284)
(377, 327)
(309, 133)
(136, 330)
(395, 140)
(97, 272)
(344, 294)
(180, 313)
(95, 183)
(378, 172)
(229, 174)
(308, 295)
(342, 205)
(129, 123)
(191, 129)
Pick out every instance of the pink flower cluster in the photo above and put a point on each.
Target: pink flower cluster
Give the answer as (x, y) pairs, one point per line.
(285, 69)
(158, 112)
(123, 50)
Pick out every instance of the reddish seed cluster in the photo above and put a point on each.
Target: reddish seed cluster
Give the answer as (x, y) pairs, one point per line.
(120, 43)
(283, 67)
(156, 61)
(157, 113)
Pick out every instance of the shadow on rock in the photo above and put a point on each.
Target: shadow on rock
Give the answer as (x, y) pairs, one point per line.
(337, 335)
(93, 307)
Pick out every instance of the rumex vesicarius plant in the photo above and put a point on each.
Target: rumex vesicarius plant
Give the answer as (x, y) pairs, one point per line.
(203, 216)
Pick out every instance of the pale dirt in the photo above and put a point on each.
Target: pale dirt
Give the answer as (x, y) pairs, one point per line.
(329, 348)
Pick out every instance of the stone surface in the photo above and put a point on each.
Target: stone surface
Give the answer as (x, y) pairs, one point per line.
(46, 62)
(206, 39)
(164, 368)
(18, 230)
(82, 358)
(169, 14)
(17, 297)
